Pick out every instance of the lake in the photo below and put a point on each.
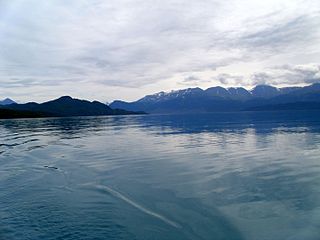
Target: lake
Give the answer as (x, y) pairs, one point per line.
(203, 176)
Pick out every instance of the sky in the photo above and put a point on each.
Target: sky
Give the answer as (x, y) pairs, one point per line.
(124, 49)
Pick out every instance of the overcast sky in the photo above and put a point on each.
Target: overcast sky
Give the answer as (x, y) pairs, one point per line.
(125, 49)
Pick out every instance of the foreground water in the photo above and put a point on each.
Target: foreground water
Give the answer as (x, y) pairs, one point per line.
(208, 176)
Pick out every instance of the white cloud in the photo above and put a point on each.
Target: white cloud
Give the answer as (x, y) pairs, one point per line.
(135, 44)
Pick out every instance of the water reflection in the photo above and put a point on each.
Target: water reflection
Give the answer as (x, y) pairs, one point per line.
(215, 176)
(263, 122)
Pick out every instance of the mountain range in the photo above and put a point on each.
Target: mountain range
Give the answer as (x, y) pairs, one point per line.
(214, 99)
(61, 107)
(217, 99)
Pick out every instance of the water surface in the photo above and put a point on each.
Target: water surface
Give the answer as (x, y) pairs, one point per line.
(205, 176)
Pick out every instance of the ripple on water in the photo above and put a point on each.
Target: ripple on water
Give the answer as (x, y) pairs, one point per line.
(221, 176)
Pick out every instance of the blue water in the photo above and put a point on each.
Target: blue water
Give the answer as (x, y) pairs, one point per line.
(205, 176)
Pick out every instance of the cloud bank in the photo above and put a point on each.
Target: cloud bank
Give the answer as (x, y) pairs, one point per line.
(124, 49)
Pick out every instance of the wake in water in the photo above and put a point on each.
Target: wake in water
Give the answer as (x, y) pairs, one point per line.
(136, 205)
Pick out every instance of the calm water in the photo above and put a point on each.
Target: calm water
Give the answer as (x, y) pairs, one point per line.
(210, 176)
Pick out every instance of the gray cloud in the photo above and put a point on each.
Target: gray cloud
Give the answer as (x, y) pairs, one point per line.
(261, 78)
(284, 34)
(192, 80)
(288, 74)
(228, 79)
(136, 44)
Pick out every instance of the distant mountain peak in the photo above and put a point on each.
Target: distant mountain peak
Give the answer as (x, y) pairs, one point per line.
(65, 98)
(7, 101)
(163, 96)
(315, 85)
(265, 91)
(264, 86)
(217, 91)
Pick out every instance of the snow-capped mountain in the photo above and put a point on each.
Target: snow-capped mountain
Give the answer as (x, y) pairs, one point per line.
(220, 99)
(164, 96)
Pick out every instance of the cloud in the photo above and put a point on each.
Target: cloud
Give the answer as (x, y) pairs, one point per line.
(284, 34)
(228, 79)
(288, 74)
(137, 44)
(193, 80)
(262, 78)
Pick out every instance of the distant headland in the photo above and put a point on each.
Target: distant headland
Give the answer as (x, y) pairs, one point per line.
(62, 107)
